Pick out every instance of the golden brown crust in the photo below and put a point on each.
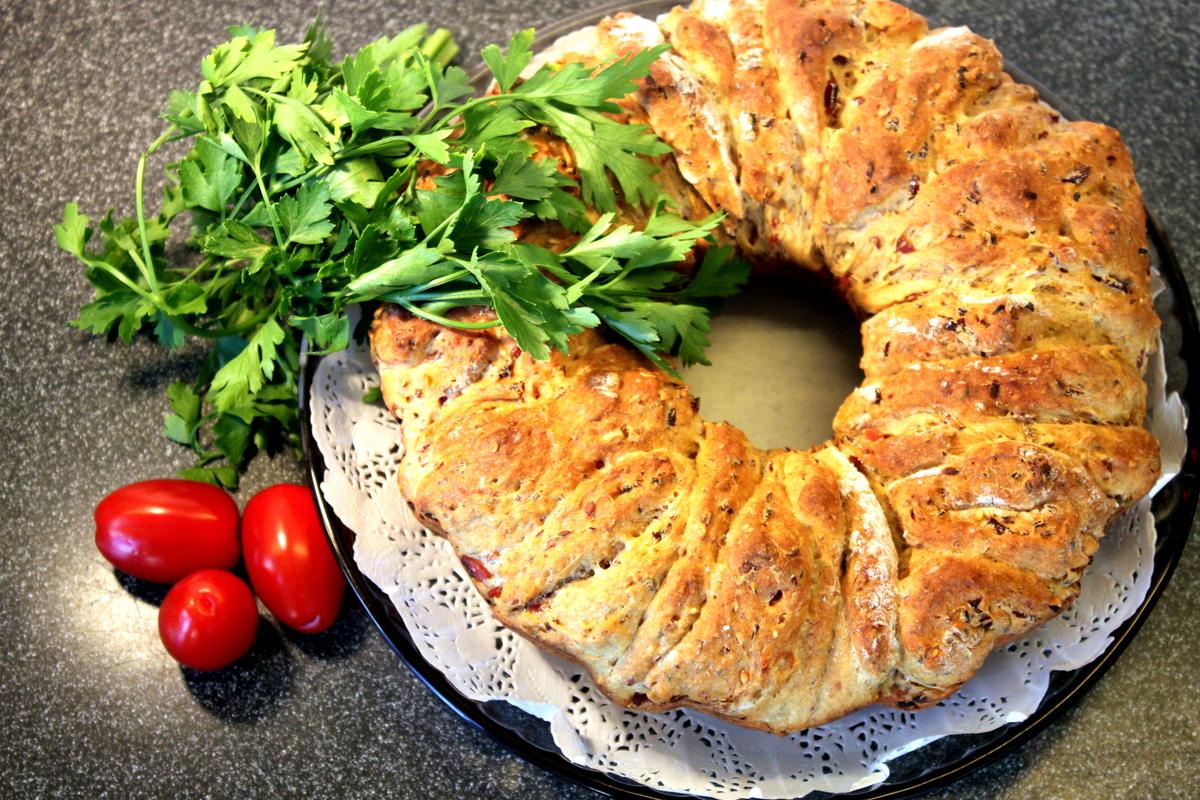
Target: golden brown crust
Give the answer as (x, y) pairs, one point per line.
(1121, 460)
(1066, 384)
(727, 471)
(999, 253)
(953, 610)
(1014, 502)
(942, 325)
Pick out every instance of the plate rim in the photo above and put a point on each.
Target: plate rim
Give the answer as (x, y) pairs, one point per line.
(1073, 684)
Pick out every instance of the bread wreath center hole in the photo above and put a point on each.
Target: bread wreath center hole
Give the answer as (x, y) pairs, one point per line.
(785, 354)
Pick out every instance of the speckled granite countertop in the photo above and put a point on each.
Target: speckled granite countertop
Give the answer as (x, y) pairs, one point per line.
(91, 705)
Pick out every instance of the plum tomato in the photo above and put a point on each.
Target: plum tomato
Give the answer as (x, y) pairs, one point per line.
(163, 530)
(208, 620)
(288, 558)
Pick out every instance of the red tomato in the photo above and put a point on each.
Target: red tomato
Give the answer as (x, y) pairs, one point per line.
(208, 620)
(288, 558)
(163, 530)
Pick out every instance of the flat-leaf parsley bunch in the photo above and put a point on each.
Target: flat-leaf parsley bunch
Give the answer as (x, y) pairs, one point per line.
(308, 188)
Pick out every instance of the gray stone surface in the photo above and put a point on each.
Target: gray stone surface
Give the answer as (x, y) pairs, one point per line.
(90, 704)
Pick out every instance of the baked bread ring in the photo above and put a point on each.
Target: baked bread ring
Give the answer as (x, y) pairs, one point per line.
(998, 253)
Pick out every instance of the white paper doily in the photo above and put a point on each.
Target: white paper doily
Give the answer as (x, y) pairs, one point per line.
(685, 751)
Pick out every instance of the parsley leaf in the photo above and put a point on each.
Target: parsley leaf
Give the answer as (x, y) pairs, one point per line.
(305, 216)
(209, 180)
(235, 383)
(523, 178)
(506, 67)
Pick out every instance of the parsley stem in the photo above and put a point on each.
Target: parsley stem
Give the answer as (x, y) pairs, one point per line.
(266, 196)
(204, 264)
(139, 186)
(375, 148)
(449, 277)
(609, 284)
(123, 278)
(452, 323)
(440, 47)
(316, 172)
(453, 114)
(237, 207)
(464, 297)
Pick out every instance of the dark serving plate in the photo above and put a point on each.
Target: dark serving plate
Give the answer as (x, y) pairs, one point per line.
(929, 767)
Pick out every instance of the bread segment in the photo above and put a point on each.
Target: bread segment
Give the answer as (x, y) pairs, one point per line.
(998, 255)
